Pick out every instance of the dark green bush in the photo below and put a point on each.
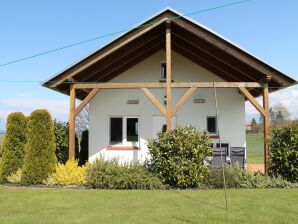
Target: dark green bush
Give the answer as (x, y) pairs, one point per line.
(40, 158)
(61, 130)
(284, 152)
(108, 174)
(13, 145)
(236, 177)
(84, 148)
(178, 156)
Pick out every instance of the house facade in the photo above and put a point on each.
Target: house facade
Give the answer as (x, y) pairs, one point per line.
(112, 116)
(155, 77)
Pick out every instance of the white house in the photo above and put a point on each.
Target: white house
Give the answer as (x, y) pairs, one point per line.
(161, 75)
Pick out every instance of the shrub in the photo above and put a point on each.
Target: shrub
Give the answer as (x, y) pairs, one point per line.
(110, 175)
(84, 148)
(69, 174)
(284, 151)
(40, 158)
(14, 144)
(178, 156)
(236, 177)
(15, 177)
(61, 130)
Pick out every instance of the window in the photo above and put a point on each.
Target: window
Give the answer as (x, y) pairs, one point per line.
(116, 133)
(132, 129)
(124, 130)
(163, 69)
(211, 124)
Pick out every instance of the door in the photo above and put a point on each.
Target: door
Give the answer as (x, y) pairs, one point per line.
(159, 124)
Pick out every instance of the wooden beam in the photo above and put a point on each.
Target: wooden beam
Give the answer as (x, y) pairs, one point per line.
(251, 99)
(86, 101)
(266, 126)
(266, 79)
(163, 85)
(168, 76)
(121, 63)
(129, 54)
(211, 59)
(72, 134)
(154, 100)
(109, 51)
(183, 100)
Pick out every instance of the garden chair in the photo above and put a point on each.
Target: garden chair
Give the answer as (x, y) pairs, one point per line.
(238, 156)
(216, 157)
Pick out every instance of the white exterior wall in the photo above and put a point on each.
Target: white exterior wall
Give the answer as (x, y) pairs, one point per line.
(113, 102)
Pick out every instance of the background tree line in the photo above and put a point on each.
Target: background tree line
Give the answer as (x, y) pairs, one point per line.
(279, 117)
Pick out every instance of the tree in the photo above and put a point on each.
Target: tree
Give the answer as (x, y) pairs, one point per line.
(62, 141)
(82, 120)
(84, 148)
(178, 156)
(254, 126)
(14, 145)
(40, 158)
(282, 113)
(61, 130)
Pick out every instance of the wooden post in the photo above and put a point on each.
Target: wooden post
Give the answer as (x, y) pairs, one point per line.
(266, 126)
(72, 135)
(168, 76)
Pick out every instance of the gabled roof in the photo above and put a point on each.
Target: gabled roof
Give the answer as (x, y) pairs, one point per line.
(189, 38)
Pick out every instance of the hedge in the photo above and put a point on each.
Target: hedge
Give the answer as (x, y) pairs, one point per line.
(14, 145)
(40, 158)
(284, 152)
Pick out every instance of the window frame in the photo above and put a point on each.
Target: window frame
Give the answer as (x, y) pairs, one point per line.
(213, 133)
(161, 70)
(124, 131)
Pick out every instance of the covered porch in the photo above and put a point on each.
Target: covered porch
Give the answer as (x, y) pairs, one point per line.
(241, 71)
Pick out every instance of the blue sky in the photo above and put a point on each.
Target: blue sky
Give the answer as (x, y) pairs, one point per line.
(266, 28)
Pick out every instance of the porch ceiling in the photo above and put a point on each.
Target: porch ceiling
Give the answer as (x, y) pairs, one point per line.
(189, 39)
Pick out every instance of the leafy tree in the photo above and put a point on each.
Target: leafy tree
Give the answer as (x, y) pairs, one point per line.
(84, 148)
(40, 158)
(14, 145)
(178, 156)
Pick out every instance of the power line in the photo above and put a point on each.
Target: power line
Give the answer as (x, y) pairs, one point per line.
(121, 31)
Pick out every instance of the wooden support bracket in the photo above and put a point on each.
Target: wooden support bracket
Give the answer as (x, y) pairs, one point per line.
(251, 99)
(183, 99)
(86, 101)
(154, 100)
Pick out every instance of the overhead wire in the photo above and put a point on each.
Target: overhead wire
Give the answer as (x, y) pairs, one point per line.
(121, 31)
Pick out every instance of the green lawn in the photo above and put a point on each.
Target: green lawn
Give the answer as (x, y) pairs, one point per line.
(25, 205)
(255, 148)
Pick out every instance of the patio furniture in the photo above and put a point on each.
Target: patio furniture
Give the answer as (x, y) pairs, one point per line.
(216, 156)
(238, 156)
(224, 145)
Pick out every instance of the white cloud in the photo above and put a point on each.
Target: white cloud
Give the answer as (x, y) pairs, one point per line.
(59, 109)
(288, 97)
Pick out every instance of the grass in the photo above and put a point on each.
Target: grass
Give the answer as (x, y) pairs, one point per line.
(255, 148)
(28, 205)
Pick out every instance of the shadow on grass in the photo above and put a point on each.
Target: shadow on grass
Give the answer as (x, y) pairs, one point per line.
(180, 193)
(183, 219)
